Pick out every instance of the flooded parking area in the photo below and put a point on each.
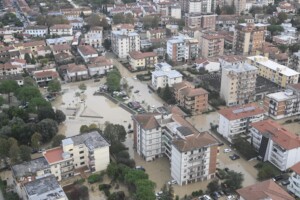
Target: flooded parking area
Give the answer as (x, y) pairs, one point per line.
(202, 122)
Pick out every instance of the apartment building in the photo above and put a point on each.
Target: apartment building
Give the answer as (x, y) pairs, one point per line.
(212, 45)
(279, 74)
(263, 190)
(44, 188)
(294, 186)
(94, 37)
(61, 29)
(275, 144)
(283, 104)
(236, 120)
(10, 69)
(99, 66)
(182, 48)
(140, 60)
(240, 6)
(249, 37)
(119, 27)
(123, 42)
(238, 84)
(156, 34)
(232, 60)
(36, 31)
(191, 98)
(193, 155)
(163, 75)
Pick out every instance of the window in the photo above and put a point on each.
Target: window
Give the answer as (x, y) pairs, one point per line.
(82, 163)
(81, 152)
(82, 157)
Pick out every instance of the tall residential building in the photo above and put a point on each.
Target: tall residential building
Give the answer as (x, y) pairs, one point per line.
(283, 104)
(238, 84)
(237, 120)
(198, 6)
(193, 155)
(198, 20)
(182, 48)
(294, 186)
(275, 144)
(212, 45)
(123, 42)
(191, 98)
(163, 75)
(249, 38)
(240, 6)
(279, 74)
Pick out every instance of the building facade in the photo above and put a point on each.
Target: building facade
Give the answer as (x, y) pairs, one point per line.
(237, 120)
(294, 186)
(61, 29)
(123, 42)
(238, 84)
(279, 74)
(275, 144)
(140, 60)
(37, 31)
(212, 45)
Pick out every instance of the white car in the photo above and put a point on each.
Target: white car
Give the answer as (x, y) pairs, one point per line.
(172, 182)
(205, 197)
(227, 150)
(158, 194)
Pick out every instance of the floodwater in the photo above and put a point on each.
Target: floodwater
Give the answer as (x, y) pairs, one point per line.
(202, 122)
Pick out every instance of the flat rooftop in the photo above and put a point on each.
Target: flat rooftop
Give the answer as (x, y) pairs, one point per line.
(54, 155)
(273, 65)
(242, 67)
(30, 168)
(280, 96)
(45, 188)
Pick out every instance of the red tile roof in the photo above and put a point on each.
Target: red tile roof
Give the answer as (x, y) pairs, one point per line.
(87, 49)
(239, 112)
(140, 55)
(54, 155)
(46, 73)
(296, 168)
(264, 190)
(279, 134)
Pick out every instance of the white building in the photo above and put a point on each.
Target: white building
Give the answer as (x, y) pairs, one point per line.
(87, 52)
(275, 144)
(123, 42)
(176, 12)
(194, 6)
(163, 75)
(207, 65)
(77, 72)
(237, 120)
(182, 48)
(294, 186)
(37, 31)
(238, 84)
(192, 154)
(61, 29)
(99, 66)
(44, 188)
(94, 37)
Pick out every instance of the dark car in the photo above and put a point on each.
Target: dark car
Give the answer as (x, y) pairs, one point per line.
(285, 182)
(278, 178)
(137, 91)
(234, 157)
(140, 168)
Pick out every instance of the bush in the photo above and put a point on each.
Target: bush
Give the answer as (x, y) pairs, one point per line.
(244, 147)
(104, 187)
(296, 120)
(197, 193)
(79, 181)
(94, 178)
(267, 171)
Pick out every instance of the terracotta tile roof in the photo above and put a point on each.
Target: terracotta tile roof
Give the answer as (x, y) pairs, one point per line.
(100, 60)
(87, 50)
(279, 134)
(54, 155)
(195, 141)
(141, 55)
(192, 92)
(61, 47)
(31, 44)
(8, 65)
(239, 112)
(296, 168)
(61, 26)
(159, 30)
(213, 36)
(45, 73)
(264, 190)
(76, 68)
(147, 120)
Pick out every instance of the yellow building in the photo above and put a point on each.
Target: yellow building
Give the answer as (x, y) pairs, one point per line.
(140, 60)
(273, 71)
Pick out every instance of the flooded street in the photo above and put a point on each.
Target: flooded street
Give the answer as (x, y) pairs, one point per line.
(202, 122)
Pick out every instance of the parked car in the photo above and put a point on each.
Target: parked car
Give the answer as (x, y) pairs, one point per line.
(285, 182)
(205, 197)
(227, 150)
(140, 168)
(278, 178)
(158, 194)
(221, 144)
(215, 195)
(172, 182)
(234, 157)
(137, 91)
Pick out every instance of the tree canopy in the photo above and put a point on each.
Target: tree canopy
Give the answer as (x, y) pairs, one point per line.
(114, 133)
(234, 179)
(113, 80)
(120, 18)
(54, 86)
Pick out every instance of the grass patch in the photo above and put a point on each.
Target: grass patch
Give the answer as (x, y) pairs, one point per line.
(266, 170)
(244, 148)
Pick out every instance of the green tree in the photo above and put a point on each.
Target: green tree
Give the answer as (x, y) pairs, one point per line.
(60, 116)
(25, 153)
(282, 17)
(56, 140)
(27, 58)
(82, 86)
(134, 175)
(275, 29)
(167, 192)
(234, 179)
(36, 140)
(14, 151)
(25, 94)
(107, 44)
(47, 128)
(7, 87)
(4, 148)
(267, 171)
(282, 48)
(36, 103)
(218, 10)
(150, 21)
(46, 113)
(54, 86)
(114, 133)
(167, 95)
(145, 189)
(1, 101)
(93, 20)
(213, 186)
(28, 81)
(112, 170)
(113, 80)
